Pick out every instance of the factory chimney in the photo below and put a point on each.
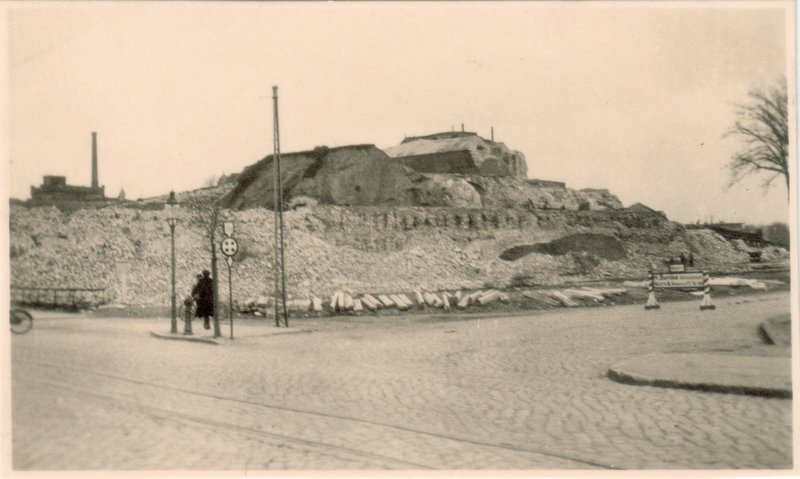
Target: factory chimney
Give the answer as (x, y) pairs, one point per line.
(462, 128)
(94, 161)
(492, 133)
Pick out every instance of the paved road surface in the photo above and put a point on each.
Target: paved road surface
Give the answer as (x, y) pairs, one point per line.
(526, 392)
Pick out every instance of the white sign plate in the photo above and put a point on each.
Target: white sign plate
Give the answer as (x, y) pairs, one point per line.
(227, 228)
(678, 280)
(229, 247)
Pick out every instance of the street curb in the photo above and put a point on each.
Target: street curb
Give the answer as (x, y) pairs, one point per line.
(764, 334)
(771, 333)
(182, 338)
(638, 380)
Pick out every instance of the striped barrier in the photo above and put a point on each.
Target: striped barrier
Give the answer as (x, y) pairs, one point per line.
(679, 280)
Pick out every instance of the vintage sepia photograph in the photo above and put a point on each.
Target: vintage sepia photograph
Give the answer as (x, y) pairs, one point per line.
(265, 238)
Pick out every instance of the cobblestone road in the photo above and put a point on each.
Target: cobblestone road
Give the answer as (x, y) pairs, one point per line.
(525, 392)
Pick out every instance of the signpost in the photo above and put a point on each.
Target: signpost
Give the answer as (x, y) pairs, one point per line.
(229, 248)
(679, 280)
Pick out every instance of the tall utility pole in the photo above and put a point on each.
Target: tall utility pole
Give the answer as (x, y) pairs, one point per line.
(95, 180)
(280, 273)
(172, 220)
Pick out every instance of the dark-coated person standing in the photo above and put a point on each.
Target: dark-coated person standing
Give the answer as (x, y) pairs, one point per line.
(205, 298)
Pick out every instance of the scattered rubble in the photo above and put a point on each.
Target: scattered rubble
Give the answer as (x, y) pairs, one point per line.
(416, 252)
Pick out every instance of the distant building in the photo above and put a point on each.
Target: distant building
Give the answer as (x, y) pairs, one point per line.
(446, 162)
(755, 238)
(459, 152)
(55, 191)
(727, 226)
(446, 135)
(733, 232)
(55, 188)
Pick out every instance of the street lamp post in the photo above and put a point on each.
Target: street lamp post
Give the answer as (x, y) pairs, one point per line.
(171, 221)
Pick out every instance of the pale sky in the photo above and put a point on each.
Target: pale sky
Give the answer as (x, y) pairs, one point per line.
(633, 97)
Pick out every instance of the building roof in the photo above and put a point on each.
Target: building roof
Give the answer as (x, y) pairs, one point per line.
(423, 146)
(440, 136)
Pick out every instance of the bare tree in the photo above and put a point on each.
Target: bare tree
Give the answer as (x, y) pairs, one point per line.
(762, 126)
(206, 213)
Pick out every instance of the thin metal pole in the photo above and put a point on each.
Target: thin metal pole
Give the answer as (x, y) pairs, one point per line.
(174, 323)
(277, 200)
(230, 296)
(280, 213)
(283, 261)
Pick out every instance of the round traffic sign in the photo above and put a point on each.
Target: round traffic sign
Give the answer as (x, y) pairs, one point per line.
(229, 247)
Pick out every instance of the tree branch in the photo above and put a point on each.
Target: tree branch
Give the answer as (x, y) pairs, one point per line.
(762, 127)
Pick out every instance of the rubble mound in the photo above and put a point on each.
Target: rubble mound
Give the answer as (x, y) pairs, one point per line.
(357, 175)
(603, 246)
(126, 250)
(363, 175)
(514, 192)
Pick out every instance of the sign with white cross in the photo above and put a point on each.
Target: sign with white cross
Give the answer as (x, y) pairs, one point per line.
(229, 247)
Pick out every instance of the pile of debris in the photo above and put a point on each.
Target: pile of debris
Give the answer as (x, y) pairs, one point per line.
(127, 249)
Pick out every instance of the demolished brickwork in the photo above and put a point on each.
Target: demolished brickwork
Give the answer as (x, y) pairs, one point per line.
(489, 158)
(355, 249)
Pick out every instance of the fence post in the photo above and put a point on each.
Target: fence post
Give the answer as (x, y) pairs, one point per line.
(706, 303)
(651, 295)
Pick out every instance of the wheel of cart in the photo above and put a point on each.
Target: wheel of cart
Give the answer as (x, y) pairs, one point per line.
(187, 304)
(21, 321)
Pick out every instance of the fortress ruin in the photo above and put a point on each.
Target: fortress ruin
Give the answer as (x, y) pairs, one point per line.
(361, 220)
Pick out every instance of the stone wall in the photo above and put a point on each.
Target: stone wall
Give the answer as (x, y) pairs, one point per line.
(449, 162)
(491, 158)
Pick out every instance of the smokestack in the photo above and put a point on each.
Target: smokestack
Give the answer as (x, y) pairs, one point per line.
(492, 133)
(94, 161)
(462, 128)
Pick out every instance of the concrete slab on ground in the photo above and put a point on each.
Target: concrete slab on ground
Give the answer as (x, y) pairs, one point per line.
(769, 376)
